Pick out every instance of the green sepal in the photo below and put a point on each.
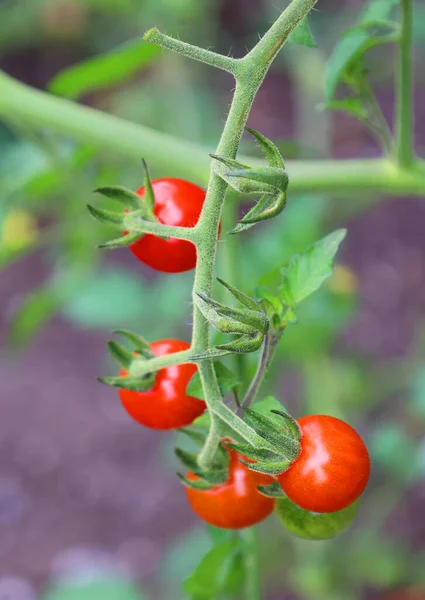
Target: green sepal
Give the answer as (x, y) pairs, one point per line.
(273, 490)
(140, 344)
(270, 150)
(109, 217)
(198, 484)
(121, 242)
(149, 194)
(121, 354)
(135, 384)
(268, 468)
(252, 452)
(188, 460)
(198, 436)
(270, 183)
(122, 195)
(291, 424)
(286, 439)
(272, 176)
(250, 322)
(267, 208)
(244, 344)
(237, 321)
(241, 296)
(219, 472)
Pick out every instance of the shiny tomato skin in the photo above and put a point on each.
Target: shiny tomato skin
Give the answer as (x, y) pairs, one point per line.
(166, 405)
(332, 469)
(236, 503)
(179, 203)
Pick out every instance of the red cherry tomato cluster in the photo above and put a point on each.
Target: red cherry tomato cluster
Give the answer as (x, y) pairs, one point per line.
(333, 467)
(177, 203)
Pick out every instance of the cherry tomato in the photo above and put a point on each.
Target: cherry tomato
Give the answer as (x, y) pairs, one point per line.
(166, 405)
(236, 503)
(314, 526)
(179, 203)
(332, 469)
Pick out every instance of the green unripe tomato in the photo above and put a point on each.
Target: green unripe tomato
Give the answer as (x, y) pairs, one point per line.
(314, 526)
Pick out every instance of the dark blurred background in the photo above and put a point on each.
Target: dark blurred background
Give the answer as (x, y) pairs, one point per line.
(90, 507)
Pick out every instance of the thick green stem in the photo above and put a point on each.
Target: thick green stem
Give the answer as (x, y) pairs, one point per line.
(404, 88)
(252, 564)
(111, 134)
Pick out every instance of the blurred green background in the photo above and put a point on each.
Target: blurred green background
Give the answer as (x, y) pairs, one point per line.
(90, 508)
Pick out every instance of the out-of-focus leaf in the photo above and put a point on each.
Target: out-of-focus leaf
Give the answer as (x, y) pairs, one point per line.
(306, 272)
(106, 70)
(217, 573)
(110, 299)
(107, 589)
(417, 398)
(376, 561)
(352, 106)
(226, 381)
(302, 35)
(395, 451)
(372, 30)
(180, 561)
(41, 304)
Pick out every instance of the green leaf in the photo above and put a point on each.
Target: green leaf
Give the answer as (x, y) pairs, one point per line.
(106, 70)
(226, 381)
(352, 106)
(107, 589)
(110, 299)
(40, 306)
(302, 35)
(373, 29)
(217, 572)
(306, 272)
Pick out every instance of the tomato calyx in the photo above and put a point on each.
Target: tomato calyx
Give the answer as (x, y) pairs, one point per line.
(269, 182)
(283, 443)
(249, 323)
(217, 474)
(125, 357)
(138, 211)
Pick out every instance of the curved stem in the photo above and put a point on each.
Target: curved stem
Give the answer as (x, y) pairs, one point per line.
(269, 349)
(404, 83)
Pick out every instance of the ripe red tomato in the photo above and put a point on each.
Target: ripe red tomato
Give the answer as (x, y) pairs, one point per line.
(332, 469)
(165, 405)
(179, 203)
(236, 503)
